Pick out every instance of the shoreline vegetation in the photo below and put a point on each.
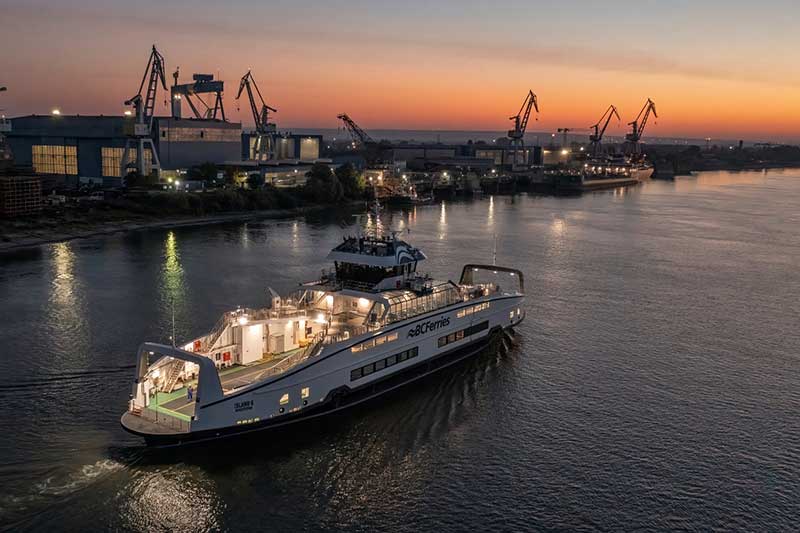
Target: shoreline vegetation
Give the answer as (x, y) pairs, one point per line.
(143, 208)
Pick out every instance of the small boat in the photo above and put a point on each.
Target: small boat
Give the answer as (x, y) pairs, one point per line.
(371, 324)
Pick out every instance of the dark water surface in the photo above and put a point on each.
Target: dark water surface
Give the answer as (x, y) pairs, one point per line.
(655, 383)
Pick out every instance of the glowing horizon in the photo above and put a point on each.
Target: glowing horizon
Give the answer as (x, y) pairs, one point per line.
(714, 70)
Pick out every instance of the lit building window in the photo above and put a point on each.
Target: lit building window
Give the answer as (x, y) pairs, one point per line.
(112, 159)
(285, 399)
(55, 159)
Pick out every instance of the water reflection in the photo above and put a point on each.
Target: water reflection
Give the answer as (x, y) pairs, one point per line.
(173, 286)
(443, 221)
(490, 218)
(67, 314)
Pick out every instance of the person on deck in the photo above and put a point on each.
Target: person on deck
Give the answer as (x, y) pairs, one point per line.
(189, 393)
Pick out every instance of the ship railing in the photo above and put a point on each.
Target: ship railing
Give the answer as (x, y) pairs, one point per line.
(160, 418)
(292, 360)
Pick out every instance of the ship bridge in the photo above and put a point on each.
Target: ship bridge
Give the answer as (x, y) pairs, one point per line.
(372, 264)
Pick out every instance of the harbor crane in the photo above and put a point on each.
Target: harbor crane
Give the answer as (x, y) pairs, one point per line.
(139, 137)
(596, 138)
(201, 84)
(5, 127)
(637, 126)
(565, 131)
(521, 124)
(356, 133)
(264, 148)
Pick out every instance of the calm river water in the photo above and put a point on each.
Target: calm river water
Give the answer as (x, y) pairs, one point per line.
(655, 383)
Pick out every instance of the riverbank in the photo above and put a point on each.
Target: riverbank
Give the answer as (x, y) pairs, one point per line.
(32, 235)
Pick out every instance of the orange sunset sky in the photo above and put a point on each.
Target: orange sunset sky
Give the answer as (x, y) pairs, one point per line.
(718, 69)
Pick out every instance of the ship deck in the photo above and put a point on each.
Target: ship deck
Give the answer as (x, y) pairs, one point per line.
(177, 404)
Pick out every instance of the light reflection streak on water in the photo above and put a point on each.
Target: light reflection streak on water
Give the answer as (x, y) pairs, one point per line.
(443, 222)
(173, 286)
(67, 322)
(490, 218)
(295, 236)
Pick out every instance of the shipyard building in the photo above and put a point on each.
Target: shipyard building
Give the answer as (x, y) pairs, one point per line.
(90, 148)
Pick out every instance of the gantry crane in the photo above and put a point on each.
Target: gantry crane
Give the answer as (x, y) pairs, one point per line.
(143, 107)
(263, 148)
(596, 138)
(356, 133)
(201, 84)
(637, 127)
(521, 124)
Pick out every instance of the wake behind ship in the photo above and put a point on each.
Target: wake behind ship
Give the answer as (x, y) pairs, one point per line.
(369, 325)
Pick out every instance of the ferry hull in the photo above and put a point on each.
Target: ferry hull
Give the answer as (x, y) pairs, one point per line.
(337, 401)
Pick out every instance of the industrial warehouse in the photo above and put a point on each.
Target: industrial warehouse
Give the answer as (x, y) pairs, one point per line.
(102, 150)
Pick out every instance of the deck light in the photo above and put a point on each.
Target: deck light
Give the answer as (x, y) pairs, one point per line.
(127, 112)
(242, 320)
(56, 112)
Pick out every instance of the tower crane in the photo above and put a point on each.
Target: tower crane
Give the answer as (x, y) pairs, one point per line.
(521, 124)
(596, 138)
(356, 133)
(143, 107)
(264, 147)
(637, 126)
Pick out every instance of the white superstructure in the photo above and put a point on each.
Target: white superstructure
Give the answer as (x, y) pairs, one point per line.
(368, 325)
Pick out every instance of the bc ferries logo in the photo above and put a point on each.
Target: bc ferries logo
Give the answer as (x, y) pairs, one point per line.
(425, 327)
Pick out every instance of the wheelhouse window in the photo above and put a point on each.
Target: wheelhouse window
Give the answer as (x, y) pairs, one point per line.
(284, 399)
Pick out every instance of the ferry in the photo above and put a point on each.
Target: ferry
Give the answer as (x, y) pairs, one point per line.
(370, 324)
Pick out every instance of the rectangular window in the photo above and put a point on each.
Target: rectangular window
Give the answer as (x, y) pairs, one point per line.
(391, 337)
(442, 341)
(476, 328)
(355, 374)
(459, 335)
(379, 341)
(356, 348)
(402, 357)
(367, 370)
(380, 365)
(461, 313)
(451, 338)
(511, 315)
(413, 352)
(391, 360)
(55, 159)
(112, 160)
(284, 399)
(305, 392)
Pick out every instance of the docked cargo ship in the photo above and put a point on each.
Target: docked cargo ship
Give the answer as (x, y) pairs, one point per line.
(605, 173)
(369, 325)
